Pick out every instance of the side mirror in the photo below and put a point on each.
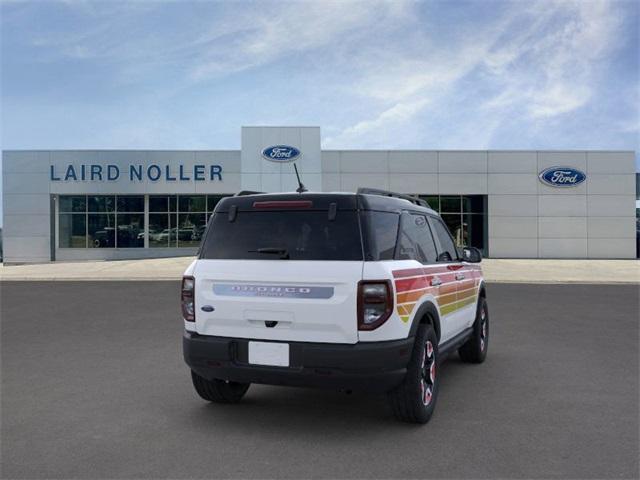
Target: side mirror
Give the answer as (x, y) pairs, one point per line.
(471, 255)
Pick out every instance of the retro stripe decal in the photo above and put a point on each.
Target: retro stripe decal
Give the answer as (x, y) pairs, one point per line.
(413, 283)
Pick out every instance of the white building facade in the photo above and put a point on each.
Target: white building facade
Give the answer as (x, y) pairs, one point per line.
(119, 204)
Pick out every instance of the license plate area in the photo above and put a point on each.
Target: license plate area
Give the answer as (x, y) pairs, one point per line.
(269, 353)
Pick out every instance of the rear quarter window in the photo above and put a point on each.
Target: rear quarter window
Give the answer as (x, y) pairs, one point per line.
(381, 234)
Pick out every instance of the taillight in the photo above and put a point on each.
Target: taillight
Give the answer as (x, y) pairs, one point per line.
(375, 303)
(187, 298)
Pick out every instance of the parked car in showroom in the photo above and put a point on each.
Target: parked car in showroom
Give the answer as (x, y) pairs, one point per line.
(129, 236)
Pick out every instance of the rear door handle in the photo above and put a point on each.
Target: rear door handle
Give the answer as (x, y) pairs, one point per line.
(459, 276)
(435, 282)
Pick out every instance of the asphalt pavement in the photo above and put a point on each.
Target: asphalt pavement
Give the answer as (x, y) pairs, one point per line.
(94, 386)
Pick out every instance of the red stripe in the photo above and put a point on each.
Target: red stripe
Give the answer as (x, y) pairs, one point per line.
(412, 284)
(408, 272)
(424, 281)
(412, 272)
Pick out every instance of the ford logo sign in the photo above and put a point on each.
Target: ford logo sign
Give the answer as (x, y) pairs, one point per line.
(281, 153)
(562, 177)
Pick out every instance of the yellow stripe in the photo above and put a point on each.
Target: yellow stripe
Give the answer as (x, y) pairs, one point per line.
(447, 299)
(466, 295)
(455, 297)
(452, 307)
(453, 302)
(468, 301)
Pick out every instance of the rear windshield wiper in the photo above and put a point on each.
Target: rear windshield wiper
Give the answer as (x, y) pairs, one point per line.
(284, 254)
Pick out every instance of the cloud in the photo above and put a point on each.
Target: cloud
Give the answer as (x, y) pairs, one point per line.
(550, 68)
(538, 60)
(228, 38)
(398, 113)
(395, 74)
(405, 88)
(253, 38)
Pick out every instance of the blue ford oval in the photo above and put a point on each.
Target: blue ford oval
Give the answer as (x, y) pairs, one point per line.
(562, 176)
(281, 153)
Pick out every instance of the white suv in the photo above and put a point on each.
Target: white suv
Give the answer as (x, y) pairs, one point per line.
(348, 291)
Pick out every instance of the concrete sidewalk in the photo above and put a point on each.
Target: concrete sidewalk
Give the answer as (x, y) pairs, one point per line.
(495, 270)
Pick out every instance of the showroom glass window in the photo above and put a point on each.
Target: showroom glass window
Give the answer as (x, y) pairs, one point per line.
(118, 221)
(101, 221)
(72, 221)
(162, 221)
(130, 221)
(465, 216)
(179, 220)
(192, 219)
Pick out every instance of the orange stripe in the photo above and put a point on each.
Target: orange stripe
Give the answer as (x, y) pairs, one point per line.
(467, 284)
(447, 299)
(447, 288)
(411, 296)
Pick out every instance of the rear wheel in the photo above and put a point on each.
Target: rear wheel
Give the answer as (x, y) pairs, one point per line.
(414, 400)
(475, 349)
(219, 391)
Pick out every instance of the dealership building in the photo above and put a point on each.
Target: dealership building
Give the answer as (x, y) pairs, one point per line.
(118, 204)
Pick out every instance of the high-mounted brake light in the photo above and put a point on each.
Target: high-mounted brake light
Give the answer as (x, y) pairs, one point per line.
(375, 303)
(187, 297)
(283, 204)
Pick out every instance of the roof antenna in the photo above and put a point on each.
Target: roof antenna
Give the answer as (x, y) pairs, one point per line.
(301, 188)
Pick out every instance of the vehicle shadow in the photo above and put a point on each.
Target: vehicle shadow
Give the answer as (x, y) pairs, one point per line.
(287, 410)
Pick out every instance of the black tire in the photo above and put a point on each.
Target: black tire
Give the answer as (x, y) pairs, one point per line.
(414, 400)
(475, 349)
(219, 391)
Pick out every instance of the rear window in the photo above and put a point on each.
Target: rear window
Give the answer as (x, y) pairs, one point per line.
(275, 235)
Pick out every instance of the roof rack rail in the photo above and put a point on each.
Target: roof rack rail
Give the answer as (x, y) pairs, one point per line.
(242, 193)
(385, 193)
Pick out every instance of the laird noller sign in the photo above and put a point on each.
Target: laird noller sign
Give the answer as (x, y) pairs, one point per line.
(135, 173)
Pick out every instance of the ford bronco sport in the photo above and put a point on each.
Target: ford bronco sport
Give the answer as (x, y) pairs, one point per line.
(349, 291)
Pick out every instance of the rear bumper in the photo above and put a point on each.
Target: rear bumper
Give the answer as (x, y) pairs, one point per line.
(374, 366)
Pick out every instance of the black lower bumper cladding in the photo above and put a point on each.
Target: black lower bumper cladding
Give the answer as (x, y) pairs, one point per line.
(372, 366)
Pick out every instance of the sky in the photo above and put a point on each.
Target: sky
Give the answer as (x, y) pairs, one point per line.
(372, 74)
